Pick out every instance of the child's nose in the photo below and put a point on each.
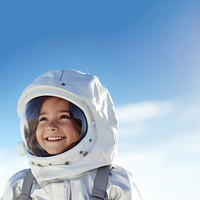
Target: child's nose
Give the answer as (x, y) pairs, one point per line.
(52, 126)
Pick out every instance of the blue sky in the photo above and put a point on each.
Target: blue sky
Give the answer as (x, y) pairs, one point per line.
(145, 52)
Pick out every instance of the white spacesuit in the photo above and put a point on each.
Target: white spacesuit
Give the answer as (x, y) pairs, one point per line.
(70, 175)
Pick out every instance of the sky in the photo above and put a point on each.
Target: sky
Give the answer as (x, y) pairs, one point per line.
(145, 52)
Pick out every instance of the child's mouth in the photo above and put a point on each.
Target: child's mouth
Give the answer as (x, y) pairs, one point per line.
(57, 138)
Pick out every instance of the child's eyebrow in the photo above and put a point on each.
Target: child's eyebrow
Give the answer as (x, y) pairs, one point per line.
(63, 111)
(59, 111)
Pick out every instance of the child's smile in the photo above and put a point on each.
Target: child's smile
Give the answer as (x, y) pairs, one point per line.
(55, 139)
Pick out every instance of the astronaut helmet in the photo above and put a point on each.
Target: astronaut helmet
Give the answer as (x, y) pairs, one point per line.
(91, 111)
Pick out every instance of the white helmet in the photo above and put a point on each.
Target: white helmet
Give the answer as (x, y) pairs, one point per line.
(98, 143)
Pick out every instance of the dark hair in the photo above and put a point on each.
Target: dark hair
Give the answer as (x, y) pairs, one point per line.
(32, 114)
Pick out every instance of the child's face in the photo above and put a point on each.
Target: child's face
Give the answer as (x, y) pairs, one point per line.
(55, 131)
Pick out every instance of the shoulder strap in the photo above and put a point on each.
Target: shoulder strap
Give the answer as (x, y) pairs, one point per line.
(98, 192)
(26, 187)
(100, 183)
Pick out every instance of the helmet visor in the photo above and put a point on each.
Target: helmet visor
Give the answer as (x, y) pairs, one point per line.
(30, 123)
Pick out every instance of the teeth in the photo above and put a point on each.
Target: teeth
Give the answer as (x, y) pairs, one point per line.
(55, 138)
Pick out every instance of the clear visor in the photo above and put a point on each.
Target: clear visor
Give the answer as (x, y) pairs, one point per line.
(30, 123)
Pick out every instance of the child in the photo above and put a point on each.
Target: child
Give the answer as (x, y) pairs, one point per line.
(69, 130)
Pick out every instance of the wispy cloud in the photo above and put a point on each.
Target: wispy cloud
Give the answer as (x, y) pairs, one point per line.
(162, 147)
(142, 111)
(161, 117)
(134, 118)
(169, 170)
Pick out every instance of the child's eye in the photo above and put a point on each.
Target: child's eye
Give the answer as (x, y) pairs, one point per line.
(42, 119)
(65, 116)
